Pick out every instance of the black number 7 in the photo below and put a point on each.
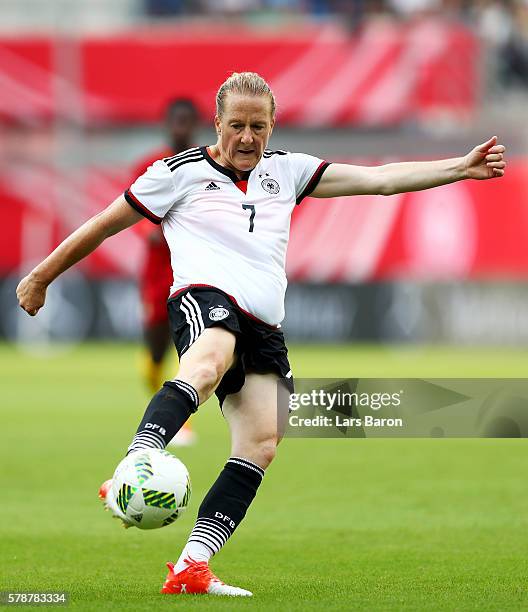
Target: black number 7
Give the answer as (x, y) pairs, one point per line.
(250, 207)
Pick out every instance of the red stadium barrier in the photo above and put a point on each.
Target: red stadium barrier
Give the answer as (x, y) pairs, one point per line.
(470, 229)
(385, 74)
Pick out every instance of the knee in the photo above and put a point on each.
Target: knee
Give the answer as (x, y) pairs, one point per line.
(208, 373)
(264, 451)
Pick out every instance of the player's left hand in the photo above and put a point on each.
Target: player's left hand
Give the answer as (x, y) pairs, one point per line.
(486, 160)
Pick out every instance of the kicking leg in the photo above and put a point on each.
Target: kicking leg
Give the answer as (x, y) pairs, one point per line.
(200, 372)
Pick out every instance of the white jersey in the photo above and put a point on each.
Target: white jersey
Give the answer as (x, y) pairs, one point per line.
(225, 232)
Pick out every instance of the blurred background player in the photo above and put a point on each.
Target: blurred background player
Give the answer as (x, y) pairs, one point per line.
(181, 121)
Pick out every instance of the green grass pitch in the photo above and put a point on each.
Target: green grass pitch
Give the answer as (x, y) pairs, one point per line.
(337, 524)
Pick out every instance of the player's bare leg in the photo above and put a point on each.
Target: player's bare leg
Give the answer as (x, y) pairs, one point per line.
(252, 418)
(207, 360)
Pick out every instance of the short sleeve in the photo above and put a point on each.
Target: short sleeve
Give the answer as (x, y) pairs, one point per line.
(153, 194)
(307, 171)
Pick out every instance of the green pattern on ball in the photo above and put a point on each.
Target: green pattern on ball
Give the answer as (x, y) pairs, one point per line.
(144, 469)
(124, 496)
(171, 518)
(158, 499)
(187, 495)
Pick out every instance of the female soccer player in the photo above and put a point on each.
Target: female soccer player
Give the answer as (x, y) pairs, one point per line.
(225, 212)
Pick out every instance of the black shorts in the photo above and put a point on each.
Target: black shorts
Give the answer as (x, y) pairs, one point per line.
(259, 347)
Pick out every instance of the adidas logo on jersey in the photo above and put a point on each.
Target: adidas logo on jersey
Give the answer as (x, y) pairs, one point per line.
(212, 186)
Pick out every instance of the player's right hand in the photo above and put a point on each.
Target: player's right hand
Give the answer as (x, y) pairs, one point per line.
(31, 294)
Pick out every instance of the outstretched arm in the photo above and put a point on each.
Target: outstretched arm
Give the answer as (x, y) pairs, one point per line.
(484, 162)
(31, 291)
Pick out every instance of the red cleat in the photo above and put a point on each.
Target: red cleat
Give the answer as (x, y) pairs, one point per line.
(104, 488)
(198, 578)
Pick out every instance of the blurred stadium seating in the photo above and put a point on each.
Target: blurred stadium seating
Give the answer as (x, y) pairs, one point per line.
(83, 84)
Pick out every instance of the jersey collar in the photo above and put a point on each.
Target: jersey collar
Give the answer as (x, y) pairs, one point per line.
(226, 171)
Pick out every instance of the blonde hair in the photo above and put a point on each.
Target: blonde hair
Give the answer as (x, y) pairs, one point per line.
(245, 83)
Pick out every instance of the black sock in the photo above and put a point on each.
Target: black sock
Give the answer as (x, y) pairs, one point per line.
(168, 410)
(226, 503)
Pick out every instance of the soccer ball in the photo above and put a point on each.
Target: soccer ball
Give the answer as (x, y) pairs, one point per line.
(151, 488)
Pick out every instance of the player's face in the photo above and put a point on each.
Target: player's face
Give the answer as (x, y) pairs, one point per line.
(181, 125)
(244, 130)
